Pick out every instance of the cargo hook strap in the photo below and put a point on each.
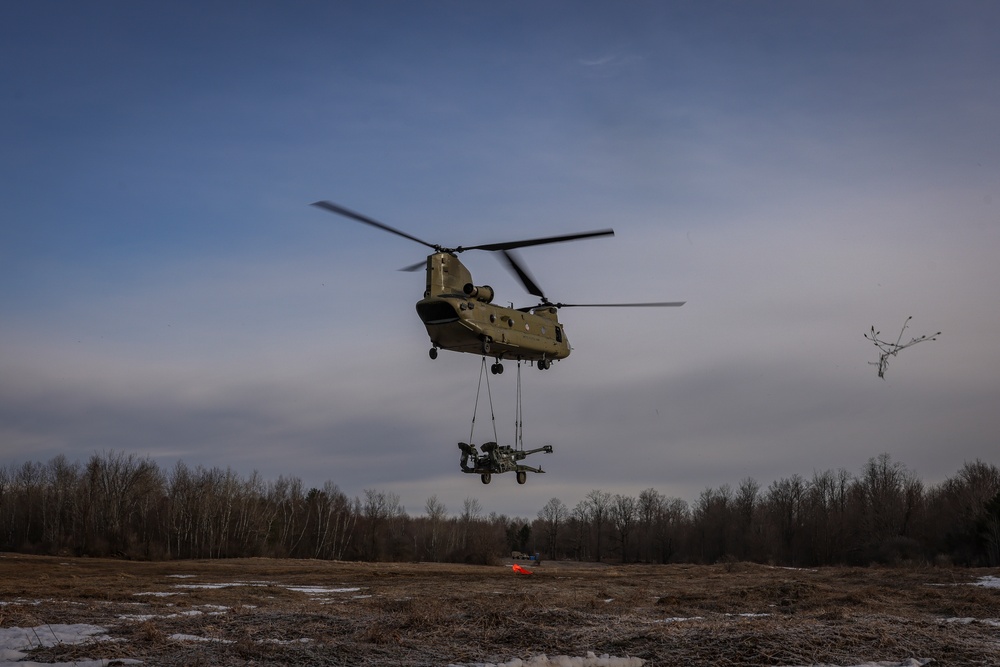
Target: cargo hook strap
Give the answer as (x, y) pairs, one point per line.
(475, 410)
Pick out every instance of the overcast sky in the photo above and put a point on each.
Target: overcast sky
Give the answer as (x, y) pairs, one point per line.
(797, 172)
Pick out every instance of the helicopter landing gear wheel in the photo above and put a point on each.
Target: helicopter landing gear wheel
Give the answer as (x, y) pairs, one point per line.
(433, 353)
(522, 477)
(486, 477)
(543, 364)
(487, 343)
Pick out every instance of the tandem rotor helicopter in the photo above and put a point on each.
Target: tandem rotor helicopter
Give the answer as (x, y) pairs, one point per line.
(461, 316)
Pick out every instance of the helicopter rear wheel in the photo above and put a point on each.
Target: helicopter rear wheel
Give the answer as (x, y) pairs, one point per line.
(433, 353)
(543, 364)
(522, 477)
(486, 477)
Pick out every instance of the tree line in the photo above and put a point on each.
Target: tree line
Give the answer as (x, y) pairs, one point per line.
(119, 504)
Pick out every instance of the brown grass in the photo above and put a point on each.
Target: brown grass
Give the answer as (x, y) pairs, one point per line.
(432, 614)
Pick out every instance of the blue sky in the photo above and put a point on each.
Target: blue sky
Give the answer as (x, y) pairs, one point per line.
(798, 172)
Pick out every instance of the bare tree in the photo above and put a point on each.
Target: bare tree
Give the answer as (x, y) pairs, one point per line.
(119, 485)
(598, 508)
(959, 509)
(671, 526)
(381, 509)
(650, 509)
(436, 515)
(745, 513)
(552, 516)
(989, 530)
(332, 518)
(784, 506)
(624, 511)
(713, 519)
(580, 530)
(825, 519)
(890, 495)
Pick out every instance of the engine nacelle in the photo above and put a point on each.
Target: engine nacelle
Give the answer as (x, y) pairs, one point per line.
(483, 293)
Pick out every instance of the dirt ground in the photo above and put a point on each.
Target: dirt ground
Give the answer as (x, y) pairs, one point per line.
(283, 612)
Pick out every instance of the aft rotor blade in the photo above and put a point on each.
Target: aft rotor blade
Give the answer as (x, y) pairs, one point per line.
(522, 273)
(347, 213)
(658, 304)
(510, 245)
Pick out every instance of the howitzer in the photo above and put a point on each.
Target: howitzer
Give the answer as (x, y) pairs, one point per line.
(497, 459)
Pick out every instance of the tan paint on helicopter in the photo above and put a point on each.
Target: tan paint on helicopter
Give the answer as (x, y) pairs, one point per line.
(460, 319)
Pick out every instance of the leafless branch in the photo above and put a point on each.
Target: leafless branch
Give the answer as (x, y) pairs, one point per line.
(887, 349)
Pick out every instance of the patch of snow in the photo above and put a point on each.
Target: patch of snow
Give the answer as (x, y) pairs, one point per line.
(988, 581)
(159, 595)
(226, 584)
(14, 641)
(195, 638)
(182, 576)
(786, 567)
(150, 617)
(590, 660)
(217, 610)
(966, 621)
(678, 619)
(909, 662)
(319, 590)
(75, 663)
(139, 618)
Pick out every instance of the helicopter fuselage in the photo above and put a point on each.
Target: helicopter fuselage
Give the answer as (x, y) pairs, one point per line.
(460, 316)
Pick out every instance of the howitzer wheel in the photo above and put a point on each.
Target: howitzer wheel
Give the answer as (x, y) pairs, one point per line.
(486, 477)
(522, 477)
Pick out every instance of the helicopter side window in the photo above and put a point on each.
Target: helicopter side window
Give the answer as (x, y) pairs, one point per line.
(558, 334)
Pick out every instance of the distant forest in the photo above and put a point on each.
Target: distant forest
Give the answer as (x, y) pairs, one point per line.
(122, 505)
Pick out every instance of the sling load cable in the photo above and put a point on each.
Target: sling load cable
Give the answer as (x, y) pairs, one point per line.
(518, 415)
(475, 410)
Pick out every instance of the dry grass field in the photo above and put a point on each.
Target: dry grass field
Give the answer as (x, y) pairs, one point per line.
(293, 612)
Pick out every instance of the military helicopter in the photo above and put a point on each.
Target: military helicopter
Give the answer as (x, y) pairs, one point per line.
(461, 316)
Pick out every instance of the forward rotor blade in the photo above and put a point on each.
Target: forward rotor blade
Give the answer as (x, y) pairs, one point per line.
(510, 245)
(658, 304)
(522, 273)
(347, 213)
(414, 267)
